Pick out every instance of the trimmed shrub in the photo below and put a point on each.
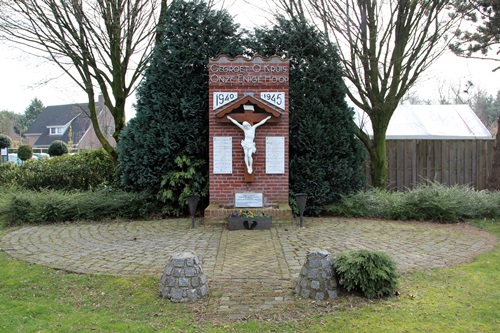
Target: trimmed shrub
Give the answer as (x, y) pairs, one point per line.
(45, 207)
(5, 141)
(58, 148)
(373, 273)
(84, 171)
(9, 173)
(429, 202)
(24, 152)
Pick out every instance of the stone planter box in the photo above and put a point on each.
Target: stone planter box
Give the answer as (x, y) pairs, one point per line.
(249, 223)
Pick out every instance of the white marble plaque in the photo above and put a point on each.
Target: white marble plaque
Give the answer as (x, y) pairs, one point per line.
(248, 199)
(223, 98)
(223, 155)
(276, 98)
(275, 154)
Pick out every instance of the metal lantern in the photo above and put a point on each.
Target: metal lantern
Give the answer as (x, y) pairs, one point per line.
(193, 203)
(301, 202)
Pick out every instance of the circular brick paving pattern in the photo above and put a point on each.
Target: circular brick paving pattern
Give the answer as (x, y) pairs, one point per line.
(263, 263)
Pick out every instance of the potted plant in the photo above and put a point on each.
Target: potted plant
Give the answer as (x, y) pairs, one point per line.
(247, 219)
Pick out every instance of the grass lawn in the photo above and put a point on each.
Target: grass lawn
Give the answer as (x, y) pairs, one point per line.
(463, 298)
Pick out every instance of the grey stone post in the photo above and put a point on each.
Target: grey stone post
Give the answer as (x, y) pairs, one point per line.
(317, 277)
(183, 279)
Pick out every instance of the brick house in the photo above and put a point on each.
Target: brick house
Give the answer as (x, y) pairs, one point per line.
(70, 122)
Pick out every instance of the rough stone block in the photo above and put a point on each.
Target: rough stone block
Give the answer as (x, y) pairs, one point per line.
(183, 279)
(189, 271)
(317, 279)
(315, 285)
(184, 282)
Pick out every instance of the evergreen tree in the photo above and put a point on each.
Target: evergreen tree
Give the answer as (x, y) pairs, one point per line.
(326, 159)
(31, 113)
(171, 121)
(5, 141)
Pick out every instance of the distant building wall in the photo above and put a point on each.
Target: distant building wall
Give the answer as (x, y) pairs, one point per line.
(107, 125)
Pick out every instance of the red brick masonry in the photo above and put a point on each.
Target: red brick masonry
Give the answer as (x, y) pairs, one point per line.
(248, 77)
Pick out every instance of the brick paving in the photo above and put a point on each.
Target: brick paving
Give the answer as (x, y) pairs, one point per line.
(247, 270)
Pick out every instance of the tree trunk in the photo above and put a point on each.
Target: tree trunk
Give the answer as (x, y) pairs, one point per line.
(494, 178)
(378, 160)
(97, 129)
(380, 118)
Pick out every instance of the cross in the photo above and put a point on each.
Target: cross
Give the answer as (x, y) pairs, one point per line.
(248, 115)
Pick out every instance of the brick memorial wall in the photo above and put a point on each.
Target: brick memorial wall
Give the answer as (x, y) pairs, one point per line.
(248, 90)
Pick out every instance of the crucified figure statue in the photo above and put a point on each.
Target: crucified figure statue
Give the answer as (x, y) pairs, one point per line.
(248, 144)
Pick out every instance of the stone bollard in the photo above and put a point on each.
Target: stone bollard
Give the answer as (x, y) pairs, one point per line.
(183, 279)
(317, 277)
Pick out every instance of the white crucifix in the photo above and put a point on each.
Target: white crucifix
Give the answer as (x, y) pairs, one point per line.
(248, 142)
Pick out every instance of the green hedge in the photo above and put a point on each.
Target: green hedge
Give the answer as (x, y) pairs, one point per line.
(83, 171)
(47, 206)
(430, 202)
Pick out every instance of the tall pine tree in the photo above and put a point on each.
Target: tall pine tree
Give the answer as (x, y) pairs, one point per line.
(166, 144)
(326, 159)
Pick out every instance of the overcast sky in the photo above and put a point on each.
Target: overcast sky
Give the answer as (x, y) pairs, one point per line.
(23, 77)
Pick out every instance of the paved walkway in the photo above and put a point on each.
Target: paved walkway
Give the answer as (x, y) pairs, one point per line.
(247, 270)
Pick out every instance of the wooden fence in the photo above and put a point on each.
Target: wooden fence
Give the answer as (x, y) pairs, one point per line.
(449, 162)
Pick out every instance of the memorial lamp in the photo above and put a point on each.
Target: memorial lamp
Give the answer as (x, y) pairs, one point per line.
(301, 202)
(193, 204)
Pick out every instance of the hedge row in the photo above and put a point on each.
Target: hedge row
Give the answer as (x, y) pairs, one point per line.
(47, 206)
(83, 171)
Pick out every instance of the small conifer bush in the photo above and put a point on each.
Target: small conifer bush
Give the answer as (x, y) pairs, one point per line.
(58, 148)
(25, 152)
(373, 273)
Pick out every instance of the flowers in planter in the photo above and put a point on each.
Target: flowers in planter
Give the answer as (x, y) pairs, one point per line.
(249, 214)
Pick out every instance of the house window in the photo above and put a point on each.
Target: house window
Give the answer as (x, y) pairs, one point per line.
(56, 131)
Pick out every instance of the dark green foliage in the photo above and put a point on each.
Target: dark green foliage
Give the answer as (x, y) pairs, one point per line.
(84, 171)
(24, 152)
(181, 181)
(31, 113)
(486, 22)
(8, 174)
(430, 202)
(325, 157)
(5, 141)
(373, 273)
(58, 148)
(172, 105)
(46, 207)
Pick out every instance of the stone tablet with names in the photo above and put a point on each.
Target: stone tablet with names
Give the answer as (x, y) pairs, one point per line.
(223, 155)
(275, 155)
(248, 200)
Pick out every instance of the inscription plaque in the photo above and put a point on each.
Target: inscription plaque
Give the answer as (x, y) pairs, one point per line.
(223, 155)
(275, 154)
(248, 199)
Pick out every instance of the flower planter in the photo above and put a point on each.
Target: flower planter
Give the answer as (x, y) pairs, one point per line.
(249, 223)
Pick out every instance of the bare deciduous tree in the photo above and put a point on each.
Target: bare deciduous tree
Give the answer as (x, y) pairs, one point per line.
(384, 46)
(102, 45)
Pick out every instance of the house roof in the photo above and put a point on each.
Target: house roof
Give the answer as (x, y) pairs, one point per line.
(61, 115)
(429, 122)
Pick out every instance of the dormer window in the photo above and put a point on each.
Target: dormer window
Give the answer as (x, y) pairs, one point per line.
(56, 130)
